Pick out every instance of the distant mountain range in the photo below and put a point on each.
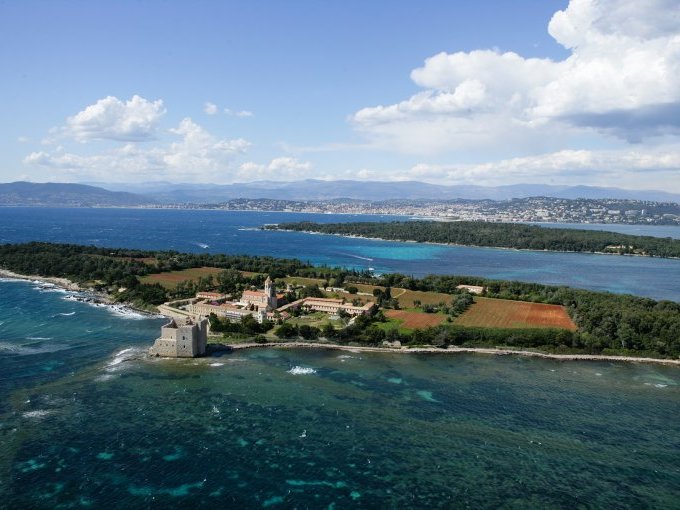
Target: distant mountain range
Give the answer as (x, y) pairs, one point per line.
(158, 193)
(66, 195)
(312, 189)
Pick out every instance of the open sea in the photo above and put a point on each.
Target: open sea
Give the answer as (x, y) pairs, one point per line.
(88, 421)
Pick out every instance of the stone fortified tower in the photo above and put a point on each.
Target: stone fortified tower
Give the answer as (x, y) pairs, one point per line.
(181, 341)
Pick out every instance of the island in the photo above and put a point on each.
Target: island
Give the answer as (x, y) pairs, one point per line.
(343, 307)
(518, 236)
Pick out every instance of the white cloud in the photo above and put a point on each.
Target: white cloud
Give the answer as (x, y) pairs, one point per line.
(110, 118)
(639, 168)
(622, 78)
(278, 169)
(209, 108)
(194, 155)
(240, 113)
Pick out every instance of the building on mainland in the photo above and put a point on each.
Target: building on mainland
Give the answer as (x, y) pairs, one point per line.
(181, 340)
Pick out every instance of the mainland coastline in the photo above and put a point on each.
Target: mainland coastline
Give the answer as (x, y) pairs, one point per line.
(215, 348)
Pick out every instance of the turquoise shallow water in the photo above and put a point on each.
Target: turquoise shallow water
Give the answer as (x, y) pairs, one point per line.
(91, 422)
(237, 232)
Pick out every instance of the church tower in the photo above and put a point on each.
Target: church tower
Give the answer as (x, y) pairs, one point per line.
(270, 291)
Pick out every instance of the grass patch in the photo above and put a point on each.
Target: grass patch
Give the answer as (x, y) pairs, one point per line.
(299, 280)
(317, 320)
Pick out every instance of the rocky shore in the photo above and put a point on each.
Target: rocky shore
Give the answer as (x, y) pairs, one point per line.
(84, 295)
(449, 350)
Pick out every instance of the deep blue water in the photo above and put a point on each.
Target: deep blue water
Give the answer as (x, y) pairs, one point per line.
(238, 232)
(88, 421)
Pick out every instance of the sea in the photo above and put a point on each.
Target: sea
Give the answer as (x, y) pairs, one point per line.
(234, 232)
(88, 420)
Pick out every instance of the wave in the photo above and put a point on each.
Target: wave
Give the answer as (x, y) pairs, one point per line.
(30, 350)
(202, 245)
(297, 370)
(128, 354)
(358, 257)
(116, 309)
(63, 314)
(38, 338)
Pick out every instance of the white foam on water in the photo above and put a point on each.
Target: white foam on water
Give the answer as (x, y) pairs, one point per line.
(661, 386)
(216, 364)
(38, 338)
(27, 350)
(119, 357)
(297, 370)
(37, 414)
(63, 314)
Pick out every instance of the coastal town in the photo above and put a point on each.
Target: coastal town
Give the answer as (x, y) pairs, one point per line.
(528, 210)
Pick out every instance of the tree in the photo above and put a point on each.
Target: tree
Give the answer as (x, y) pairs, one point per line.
(308, 332)
(286, 330)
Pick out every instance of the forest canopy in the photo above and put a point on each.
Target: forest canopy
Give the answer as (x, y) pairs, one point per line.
(499, 235)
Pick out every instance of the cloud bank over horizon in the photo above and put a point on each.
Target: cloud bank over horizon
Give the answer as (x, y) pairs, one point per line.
(608, 113)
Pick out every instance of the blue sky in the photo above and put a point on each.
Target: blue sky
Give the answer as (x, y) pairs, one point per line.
(487, 92)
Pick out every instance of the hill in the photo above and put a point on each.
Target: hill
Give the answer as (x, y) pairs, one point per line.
(66, 195)
(313, 189)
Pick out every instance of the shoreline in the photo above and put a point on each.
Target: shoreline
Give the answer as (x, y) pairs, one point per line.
(64, 283)
(70, 286)
(434, 243)
(449, 350)
(105, 299)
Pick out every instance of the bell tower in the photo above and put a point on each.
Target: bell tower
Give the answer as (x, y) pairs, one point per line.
(270, 291)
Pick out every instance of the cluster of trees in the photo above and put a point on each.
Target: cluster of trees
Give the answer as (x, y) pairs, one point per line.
(247, 326)
(606, 322)
(502, 235)
(307, 332)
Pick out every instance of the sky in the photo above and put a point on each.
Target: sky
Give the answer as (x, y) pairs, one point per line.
(491, 92)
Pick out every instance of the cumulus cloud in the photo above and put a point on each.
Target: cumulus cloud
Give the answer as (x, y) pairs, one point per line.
(621, 79)
(209, 108)
(278, 169)
(239, 113)
(110, 118)
(195, 154)
(625, 167)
